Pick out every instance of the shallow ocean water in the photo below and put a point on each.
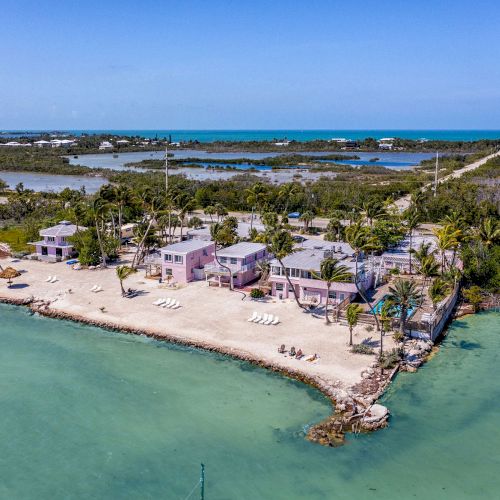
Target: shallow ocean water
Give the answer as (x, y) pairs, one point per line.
(87, 413)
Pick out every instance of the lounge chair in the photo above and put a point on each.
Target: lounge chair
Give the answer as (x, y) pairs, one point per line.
(257, 319)
(264, 319)
(275, 321)
(94, 288)
(281, 349)
(171, 304)
(98, 289)
(175, 305)
(48, 279)
(253, 317)
(157, 302)
(166, 302)
(269, 320)
(54, 279)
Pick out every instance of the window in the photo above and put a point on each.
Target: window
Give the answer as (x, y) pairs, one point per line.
(205, 253)
(51, 239)
(234, 260)
(276, 270)
(178, 259)
(168, 257)
(168, 272)
(63, 239)
(341, 297)
(332, 295)
(279, 287)
(223, 259)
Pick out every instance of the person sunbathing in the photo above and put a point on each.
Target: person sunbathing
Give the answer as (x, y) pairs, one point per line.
(292, 351)
(299, 354)
(281, 349)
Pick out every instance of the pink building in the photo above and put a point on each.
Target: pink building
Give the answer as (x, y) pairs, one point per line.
(184, 261)
(304, 265)
(241, 259)
(55, 245)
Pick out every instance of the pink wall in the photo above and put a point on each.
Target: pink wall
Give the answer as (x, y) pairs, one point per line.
(183, 272)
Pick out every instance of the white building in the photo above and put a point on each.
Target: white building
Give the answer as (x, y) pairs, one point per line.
(43, 144)
(105, 145)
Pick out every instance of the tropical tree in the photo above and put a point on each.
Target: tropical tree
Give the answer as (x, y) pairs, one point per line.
(210, 211)
(97, 210)
(386, 313)
(223, 234)
(448, 238)
(372, 209)
(412, 222)
(256, 197)
(404, 295)
(474, 296)
(352, 315)
(281, 244)
(438, 291)
(122, 273)
(184, 203)
(220, 211)
(489, 232)
(306, 218)
(286, 194)
(361, 240)
(332, 271)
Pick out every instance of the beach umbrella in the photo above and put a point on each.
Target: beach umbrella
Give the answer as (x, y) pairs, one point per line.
(8, 273)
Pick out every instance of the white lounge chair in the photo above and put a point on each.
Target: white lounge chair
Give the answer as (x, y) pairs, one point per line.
(48, 279)
(264, 318)
(269, 320)
(98, 289)
(167, 303)
(257, 319)
(158, 302)
(53, 280)
(253, 317)
(175, 305)
(93, 289)
(275, 321)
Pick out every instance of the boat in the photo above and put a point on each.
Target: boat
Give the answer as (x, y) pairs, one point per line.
(115, 156)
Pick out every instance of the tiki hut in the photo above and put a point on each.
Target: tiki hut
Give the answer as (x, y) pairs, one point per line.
(8, 273)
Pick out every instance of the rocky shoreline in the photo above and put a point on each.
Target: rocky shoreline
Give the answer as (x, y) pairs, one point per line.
(354, 410)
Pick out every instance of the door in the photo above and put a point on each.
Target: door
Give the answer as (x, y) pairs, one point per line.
(44, 251)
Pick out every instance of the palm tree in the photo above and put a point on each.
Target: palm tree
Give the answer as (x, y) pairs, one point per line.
(97, 209)
(281, 244)
(331, 271)
(210, 211)
(372, 209)
(287, 192)
(489, 232)
(220, 211)
(448, 238)
(352, 315)
(386, 313)
(412, 223)
(123, 272)
(185, 203)
(362, 240)
(306, 218)
(222, 235)
(438, 291)
(256, 198)
(404, 295)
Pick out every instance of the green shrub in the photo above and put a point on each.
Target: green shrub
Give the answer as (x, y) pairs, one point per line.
(390, 359)
(361, 349)
(256, 293)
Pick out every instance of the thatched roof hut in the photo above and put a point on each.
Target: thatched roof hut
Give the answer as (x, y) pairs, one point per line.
(8, 273)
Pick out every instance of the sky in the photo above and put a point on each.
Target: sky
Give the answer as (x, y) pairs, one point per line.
(227, 64)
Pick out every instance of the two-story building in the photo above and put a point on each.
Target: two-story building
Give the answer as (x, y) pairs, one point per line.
(55, 245)
(242, 259)
(303, 268)
(184, 261)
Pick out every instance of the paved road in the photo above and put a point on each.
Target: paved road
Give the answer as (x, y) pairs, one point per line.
(404, 202)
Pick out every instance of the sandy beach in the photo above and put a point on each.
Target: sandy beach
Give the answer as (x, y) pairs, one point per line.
(209, 317)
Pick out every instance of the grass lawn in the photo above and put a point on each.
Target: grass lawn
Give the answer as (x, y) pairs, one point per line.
(15, 238)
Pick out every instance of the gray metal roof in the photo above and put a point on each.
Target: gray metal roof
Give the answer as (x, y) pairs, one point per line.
(64, 228)
(187, 246)
(241, 250)
(336, 246)
(310, 260)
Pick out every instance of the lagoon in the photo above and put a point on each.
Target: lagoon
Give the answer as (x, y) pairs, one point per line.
(88, 413)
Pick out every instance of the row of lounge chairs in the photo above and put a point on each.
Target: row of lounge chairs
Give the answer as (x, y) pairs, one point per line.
(168, 303)
(51, 279)
(265, 319)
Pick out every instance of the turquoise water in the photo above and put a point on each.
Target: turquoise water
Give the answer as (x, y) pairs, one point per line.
(299, 135)
(87, 413)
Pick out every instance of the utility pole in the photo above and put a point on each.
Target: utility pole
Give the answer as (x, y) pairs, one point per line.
(436, 175)
(202, 482)
(166, 169)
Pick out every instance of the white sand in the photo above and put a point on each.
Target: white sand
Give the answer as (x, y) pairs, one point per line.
(207, 315)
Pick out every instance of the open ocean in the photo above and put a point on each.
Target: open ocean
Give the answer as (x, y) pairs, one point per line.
(298, 135)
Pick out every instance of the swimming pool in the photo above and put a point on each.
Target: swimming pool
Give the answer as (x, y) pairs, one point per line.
(378, 308)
